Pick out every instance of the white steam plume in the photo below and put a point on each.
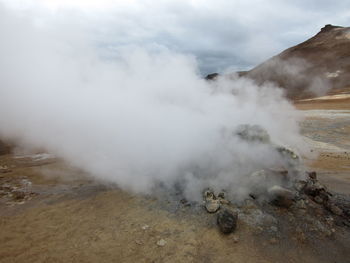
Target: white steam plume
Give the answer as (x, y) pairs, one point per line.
(137, 121)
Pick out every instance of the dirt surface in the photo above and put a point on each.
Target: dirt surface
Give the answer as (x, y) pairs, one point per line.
(327, 129)
(50, 212)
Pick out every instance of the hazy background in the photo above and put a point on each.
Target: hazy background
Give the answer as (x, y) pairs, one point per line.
(221, 34)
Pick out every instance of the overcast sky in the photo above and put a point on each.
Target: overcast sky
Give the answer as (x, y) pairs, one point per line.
(221, 34)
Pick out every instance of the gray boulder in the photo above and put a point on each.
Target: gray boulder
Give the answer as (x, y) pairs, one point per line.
(227, 221)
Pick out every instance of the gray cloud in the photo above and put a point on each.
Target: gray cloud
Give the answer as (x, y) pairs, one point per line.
(220, 34)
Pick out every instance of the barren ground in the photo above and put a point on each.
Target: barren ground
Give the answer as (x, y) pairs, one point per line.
(79, 220)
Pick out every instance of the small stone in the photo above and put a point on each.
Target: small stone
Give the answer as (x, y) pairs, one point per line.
(253, 133)
(227, 221)
(335, 210)
(212, 205)
(312, 175)
(139, 242)
(301, 204)
(18, 195)
(221, 195)
(145, 227)
(161, 243)
(183, 201)
(209, 194)
(286, 152)
(318, 199)
(224, 202)
(280, 196)
(221, 198)
(299, 185)
(235, 239)
(330, 220)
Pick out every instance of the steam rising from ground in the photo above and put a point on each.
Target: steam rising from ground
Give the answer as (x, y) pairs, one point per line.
(142, 120)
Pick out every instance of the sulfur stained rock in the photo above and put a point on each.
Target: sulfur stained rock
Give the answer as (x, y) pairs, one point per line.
(212, 204)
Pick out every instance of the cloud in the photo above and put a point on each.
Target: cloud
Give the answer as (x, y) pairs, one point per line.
(220, 34)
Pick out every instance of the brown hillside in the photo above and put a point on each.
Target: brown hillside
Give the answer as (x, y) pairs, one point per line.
(318, 65)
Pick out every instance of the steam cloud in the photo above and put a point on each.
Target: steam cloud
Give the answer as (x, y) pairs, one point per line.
(141, 120)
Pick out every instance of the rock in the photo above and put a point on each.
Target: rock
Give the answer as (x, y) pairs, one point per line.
(324, 195)
(212, 76)
(288, 153)
(212, 205)
(314, 188)
(312, 176)
(185, 202)
(280, 196)
(227, 221)
(334, 209)
(291, 160)
(301, 204)
(318, 199)
(329, 220)
(139, 242)
(18, 195)
(222, 198)
(209, 194)
(161, 243)
(253, 133)
(221, 195)
(145, 227)
(224, 201)
(235, 239)
(299, 185)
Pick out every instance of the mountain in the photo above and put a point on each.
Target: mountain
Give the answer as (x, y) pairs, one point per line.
(314, 67)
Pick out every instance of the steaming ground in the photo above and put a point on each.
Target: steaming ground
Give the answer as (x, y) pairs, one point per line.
(140, 120)
(75, 219)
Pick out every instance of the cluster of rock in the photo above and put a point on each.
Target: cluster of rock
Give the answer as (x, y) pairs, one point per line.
(226, 219)
(281, 190)
(308, 189)
(319, 194)
(15, 190)
(306, 206)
